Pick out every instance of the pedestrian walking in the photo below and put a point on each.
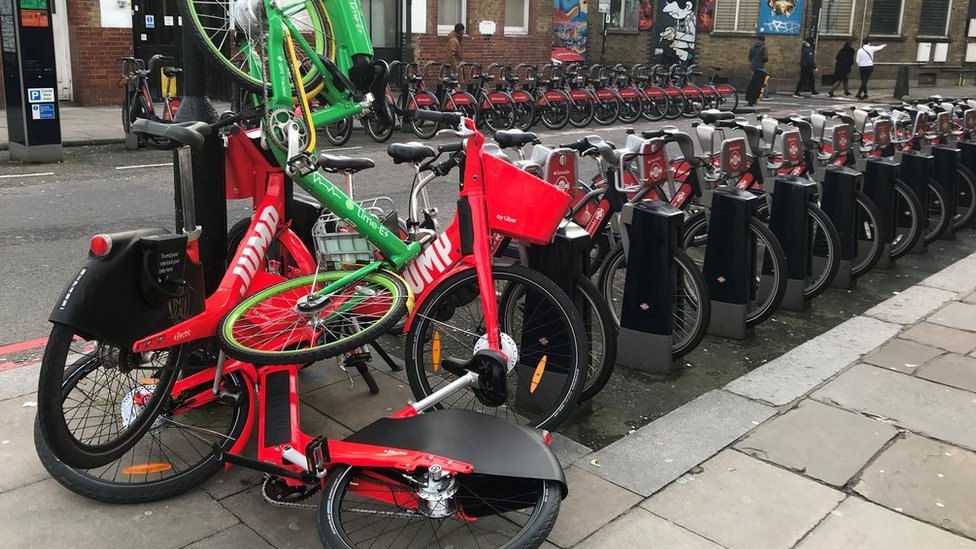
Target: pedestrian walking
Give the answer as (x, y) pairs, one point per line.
(454, 53)
(758, 56)
(842, 68)
(865, 62)
(808, 64)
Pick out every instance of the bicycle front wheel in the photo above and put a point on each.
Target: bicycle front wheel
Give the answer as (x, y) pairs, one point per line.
(868, 246)
(543, 337)
(936, 211)
(291, 323)
(965, 198)
(908, 215)
(338, 133)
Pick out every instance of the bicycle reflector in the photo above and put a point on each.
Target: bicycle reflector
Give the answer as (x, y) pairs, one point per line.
(100, 245)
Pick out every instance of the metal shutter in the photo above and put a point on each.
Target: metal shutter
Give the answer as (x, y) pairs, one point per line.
(725, 15)
(835, 16)
(886, 17)
(932, 20)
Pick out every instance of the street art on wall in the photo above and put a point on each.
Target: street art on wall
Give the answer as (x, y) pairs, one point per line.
(569, 24)
(706, 16)
(675, 27)
(645, 16)
(780, 16)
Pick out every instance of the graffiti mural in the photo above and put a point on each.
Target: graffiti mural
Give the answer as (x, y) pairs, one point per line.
(780, 16)
(569, 24)
(645, 17)
(706, 16)
(675, 27)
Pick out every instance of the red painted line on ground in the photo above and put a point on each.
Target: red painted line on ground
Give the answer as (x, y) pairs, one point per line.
(6, 366)
(22, 346)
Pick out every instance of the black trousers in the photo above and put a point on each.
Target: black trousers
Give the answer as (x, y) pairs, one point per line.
(865, 76)
(806, 80)
(755, 87)
(842, 79)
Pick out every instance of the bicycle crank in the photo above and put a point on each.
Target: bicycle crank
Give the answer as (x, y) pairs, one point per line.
(280, 494)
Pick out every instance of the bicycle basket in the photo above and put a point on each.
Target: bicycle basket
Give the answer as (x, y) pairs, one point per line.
(521, 205)
(338, 243)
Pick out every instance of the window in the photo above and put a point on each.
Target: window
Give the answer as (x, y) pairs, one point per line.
(934, 19)
(736, 15)
(836, 16)
(381, 21)
(516, 16)
(450, 13)
(623, 14)
(886, 18)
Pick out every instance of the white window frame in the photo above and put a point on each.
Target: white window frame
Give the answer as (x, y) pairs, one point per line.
(620, 17)
(850, 22)
(519, 30)
(901, 21)
(449, 28)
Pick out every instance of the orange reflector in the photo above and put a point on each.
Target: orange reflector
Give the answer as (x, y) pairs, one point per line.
(435, 351)
(146, 468)
(538, 374)
(149, 381)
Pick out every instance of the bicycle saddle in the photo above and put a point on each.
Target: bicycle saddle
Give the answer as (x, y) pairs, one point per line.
(409, 152)
(160, 135)
(712, 116)
(172, 72)
(513, 138)
(343, 164)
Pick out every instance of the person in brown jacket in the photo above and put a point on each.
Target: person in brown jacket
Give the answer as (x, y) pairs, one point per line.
(454, 55)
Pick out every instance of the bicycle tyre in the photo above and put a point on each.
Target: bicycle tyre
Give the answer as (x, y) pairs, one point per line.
(676, 103)
(126, 114)
(338, 133)
(907, 204)
(554, 114)
(424, 129)
(450, 298)
(868, 221)
(728, 97)
(51, 396)
(818, 284)
(332, 533)
(938, 215)
(276, 258)
(240, 330)
(657, 105)
(694, 103)
(524, 110)
(607, 111)
(632, 107)
(965, 198)
(377, 130)
(581, 112)
(498, 116)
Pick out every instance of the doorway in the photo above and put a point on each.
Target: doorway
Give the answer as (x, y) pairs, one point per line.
(62, 49)
(383, 18)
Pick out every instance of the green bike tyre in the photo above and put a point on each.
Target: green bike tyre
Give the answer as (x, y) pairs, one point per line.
(247, 333)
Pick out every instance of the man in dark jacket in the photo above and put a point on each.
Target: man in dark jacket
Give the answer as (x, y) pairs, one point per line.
(842, 68)
(758, 56)
(808, 64)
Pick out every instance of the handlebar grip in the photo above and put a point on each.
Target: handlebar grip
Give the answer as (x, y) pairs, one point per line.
(451, 147)
(452, 119)
(654, 134)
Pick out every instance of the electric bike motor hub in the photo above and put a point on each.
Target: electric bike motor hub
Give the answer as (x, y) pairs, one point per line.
(436, 492)
(247, 16)
(509, 348)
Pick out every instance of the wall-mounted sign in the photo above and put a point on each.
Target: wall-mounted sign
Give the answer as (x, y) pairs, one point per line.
(780, 16)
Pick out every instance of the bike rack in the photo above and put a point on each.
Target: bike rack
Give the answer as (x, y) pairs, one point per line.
(968, 159)
(946, 157)
(790, 223)
(647, 312)
(879, 186)
(916, 169)
(837, 200)
(728, 260)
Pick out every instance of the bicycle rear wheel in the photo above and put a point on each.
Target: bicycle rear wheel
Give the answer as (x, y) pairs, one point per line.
(379, 131)
(338, 133)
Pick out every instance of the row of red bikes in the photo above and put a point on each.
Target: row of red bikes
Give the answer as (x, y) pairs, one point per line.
(152, 383)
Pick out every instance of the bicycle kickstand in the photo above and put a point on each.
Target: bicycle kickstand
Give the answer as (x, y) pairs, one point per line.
(386, 357)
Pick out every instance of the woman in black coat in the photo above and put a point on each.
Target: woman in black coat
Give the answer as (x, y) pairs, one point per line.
(842, 68)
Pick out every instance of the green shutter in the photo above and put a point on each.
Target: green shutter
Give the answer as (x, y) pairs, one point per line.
(885, 17)
(932, 20)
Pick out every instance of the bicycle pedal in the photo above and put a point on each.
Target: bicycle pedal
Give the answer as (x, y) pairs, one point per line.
(317, 454)
(302, 165)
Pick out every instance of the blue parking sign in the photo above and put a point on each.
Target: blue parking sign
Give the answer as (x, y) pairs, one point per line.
(33, 95)
(43, 111)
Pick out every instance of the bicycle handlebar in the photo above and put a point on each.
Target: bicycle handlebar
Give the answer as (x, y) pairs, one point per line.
(451, 119)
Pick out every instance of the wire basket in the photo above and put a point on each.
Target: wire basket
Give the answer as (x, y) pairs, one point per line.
(338, 243)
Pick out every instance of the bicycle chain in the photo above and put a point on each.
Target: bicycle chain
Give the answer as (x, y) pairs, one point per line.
(307, 493)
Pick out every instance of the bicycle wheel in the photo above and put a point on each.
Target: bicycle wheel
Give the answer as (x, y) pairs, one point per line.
(692, 304)
(524, 110)
(424, 101)
(728, 97)
(908, 213)
(825, 257)
(338, 133)
(965, 198)
(289, 323)
(935, 208)
(548, 339)
(231, 37)
(498, 116)
(656, 106)
(176, 454)
(377, 130)
(676, 103)
(631, 105)
(581, 112)
(554, 113)
(278, 259)
(769, 269)
(607, 110)
(694, 101)
(381, 508)
(868, 246)
(126, 111)
(95, 400)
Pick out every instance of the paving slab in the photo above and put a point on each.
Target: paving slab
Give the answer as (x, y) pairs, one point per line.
(235, 537)
(45, 514)
(795, 373)
(639, 528)
(957, 277)
(961, 316)
(950, 339)
(971, 298)
(742, 503)
(820, 441)
(284, 528)
(952, 369)
(921, 406)
(857, 524)
(354, 406)
(19, 381)
(21, 465)
(929, 480)
(662, 451)
(902, 355)
(567, 450)
(911, 305)
(592, 502)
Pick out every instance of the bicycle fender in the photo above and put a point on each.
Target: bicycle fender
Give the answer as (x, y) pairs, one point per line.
(495, 447)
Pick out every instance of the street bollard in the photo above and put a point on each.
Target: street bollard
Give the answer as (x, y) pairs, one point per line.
(837, 200)
(945, 162)
(916, 169)
(968, 159)
(792, 226)
(879, 186)
(729, 264)
(647, 311)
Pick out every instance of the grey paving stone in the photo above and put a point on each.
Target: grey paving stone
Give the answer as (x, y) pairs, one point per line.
(971, 298)
(950, 339)
(567, 450)
(322, 374)
(928, 480)
(21, 466)
(19, 381)
(961, 316)
(952, 369)
(793, 374)
(743, 503)
(857, 524)
(911, 305)
(638, 528)
(957, 277)
(592, 502)
(902, 355)
(235, 537)
(662, 451)
(354, 407)
(284, 528)
(916, 404)
(820, 441)
(45, 514)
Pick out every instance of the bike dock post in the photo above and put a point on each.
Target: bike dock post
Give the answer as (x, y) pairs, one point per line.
(838, 201)
(946, 157)
(916, 169)
(729, 265)
(879, 186)
(647, 311)
(792, 226)
(967, 158)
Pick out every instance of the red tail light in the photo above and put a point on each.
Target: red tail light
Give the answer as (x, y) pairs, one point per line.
(547, 437)
(100, 245)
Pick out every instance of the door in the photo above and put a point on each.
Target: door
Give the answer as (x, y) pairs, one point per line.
(383, 18)
(62, 49)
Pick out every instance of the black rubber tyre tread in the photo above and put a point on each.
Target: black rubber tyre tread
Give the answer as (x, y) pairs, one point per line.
(691, 110)
(646, 112)
(530, 538)
(609, 119)
(867, 209)
(820, 285)
(726, 98)
(375, 130)
(936, 192)
(561, 122)
(338, 133)
(915, 233)
(965, 214)
(430, 129)
(50, 411)
(633, 106)
(590, 296)
(582, 121)
(676, 106)
(126, 110)
(525, 112)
